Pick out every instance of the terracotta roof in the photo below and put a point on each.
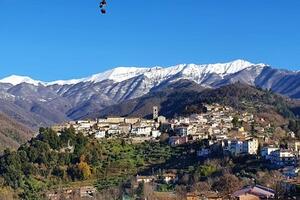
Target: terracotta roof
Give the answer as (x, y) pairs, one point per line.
(257, 190)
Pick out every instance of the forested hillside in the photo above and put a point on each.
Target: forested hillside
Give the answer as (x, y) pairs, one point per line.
(180, 101)
(49, 159)
(12, 134)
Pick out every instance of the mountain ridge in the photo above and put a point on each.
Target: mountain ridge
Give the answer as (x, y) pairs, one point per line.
(120, 74)
(38, 103)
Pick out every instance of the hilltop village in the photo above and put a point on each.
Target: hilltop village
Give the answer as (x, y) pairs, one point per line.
(221, 132)
(221, 126)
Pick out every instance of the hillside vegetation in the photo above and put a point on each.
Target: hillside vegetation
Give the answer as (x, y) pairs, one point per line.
(51, 160)
(12, 134)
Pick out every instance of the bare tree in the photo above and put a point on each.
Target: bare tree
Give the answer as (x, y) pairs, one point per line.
(180, 191)
(202, 187)
(227, 184)
(149, 192)
(269, 179)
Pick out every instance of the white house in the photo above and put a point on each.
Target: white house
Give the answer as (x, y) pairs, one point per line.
(169, 177)
(184, 120)
(132, 120)
(221, 137)
(84, 125)
(161, 119)
(294, 146)
(113, 131)
(236, 147)
(145, 179)
(250, 146)
(100, 134)
(266, 151)
(142, 130)
(282, 158)
(155, 133)
(182, 130)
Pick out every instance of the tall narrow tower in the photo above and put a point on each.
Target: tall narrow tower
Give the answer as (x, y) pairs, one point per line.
(155, 112)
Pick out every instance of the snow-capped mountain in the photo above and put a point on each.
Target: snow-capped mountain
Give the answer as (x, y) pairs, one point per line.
(15, 80)
(157, 73)
(44, 103)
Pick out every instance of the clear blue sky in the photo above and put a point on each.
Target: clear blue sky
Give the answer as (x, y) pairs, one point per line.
(62, 39)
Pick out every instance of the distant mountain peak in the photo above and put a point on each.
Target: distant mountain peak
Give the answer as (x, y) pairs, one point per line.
(15, 80)
(219, 68)
(118, 74)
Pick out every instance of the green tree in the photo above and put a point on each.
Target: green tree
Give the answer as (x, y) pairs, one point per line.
(206, 170)
(235, 121)
(50, 137)
(32, 189)
(11, 169)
